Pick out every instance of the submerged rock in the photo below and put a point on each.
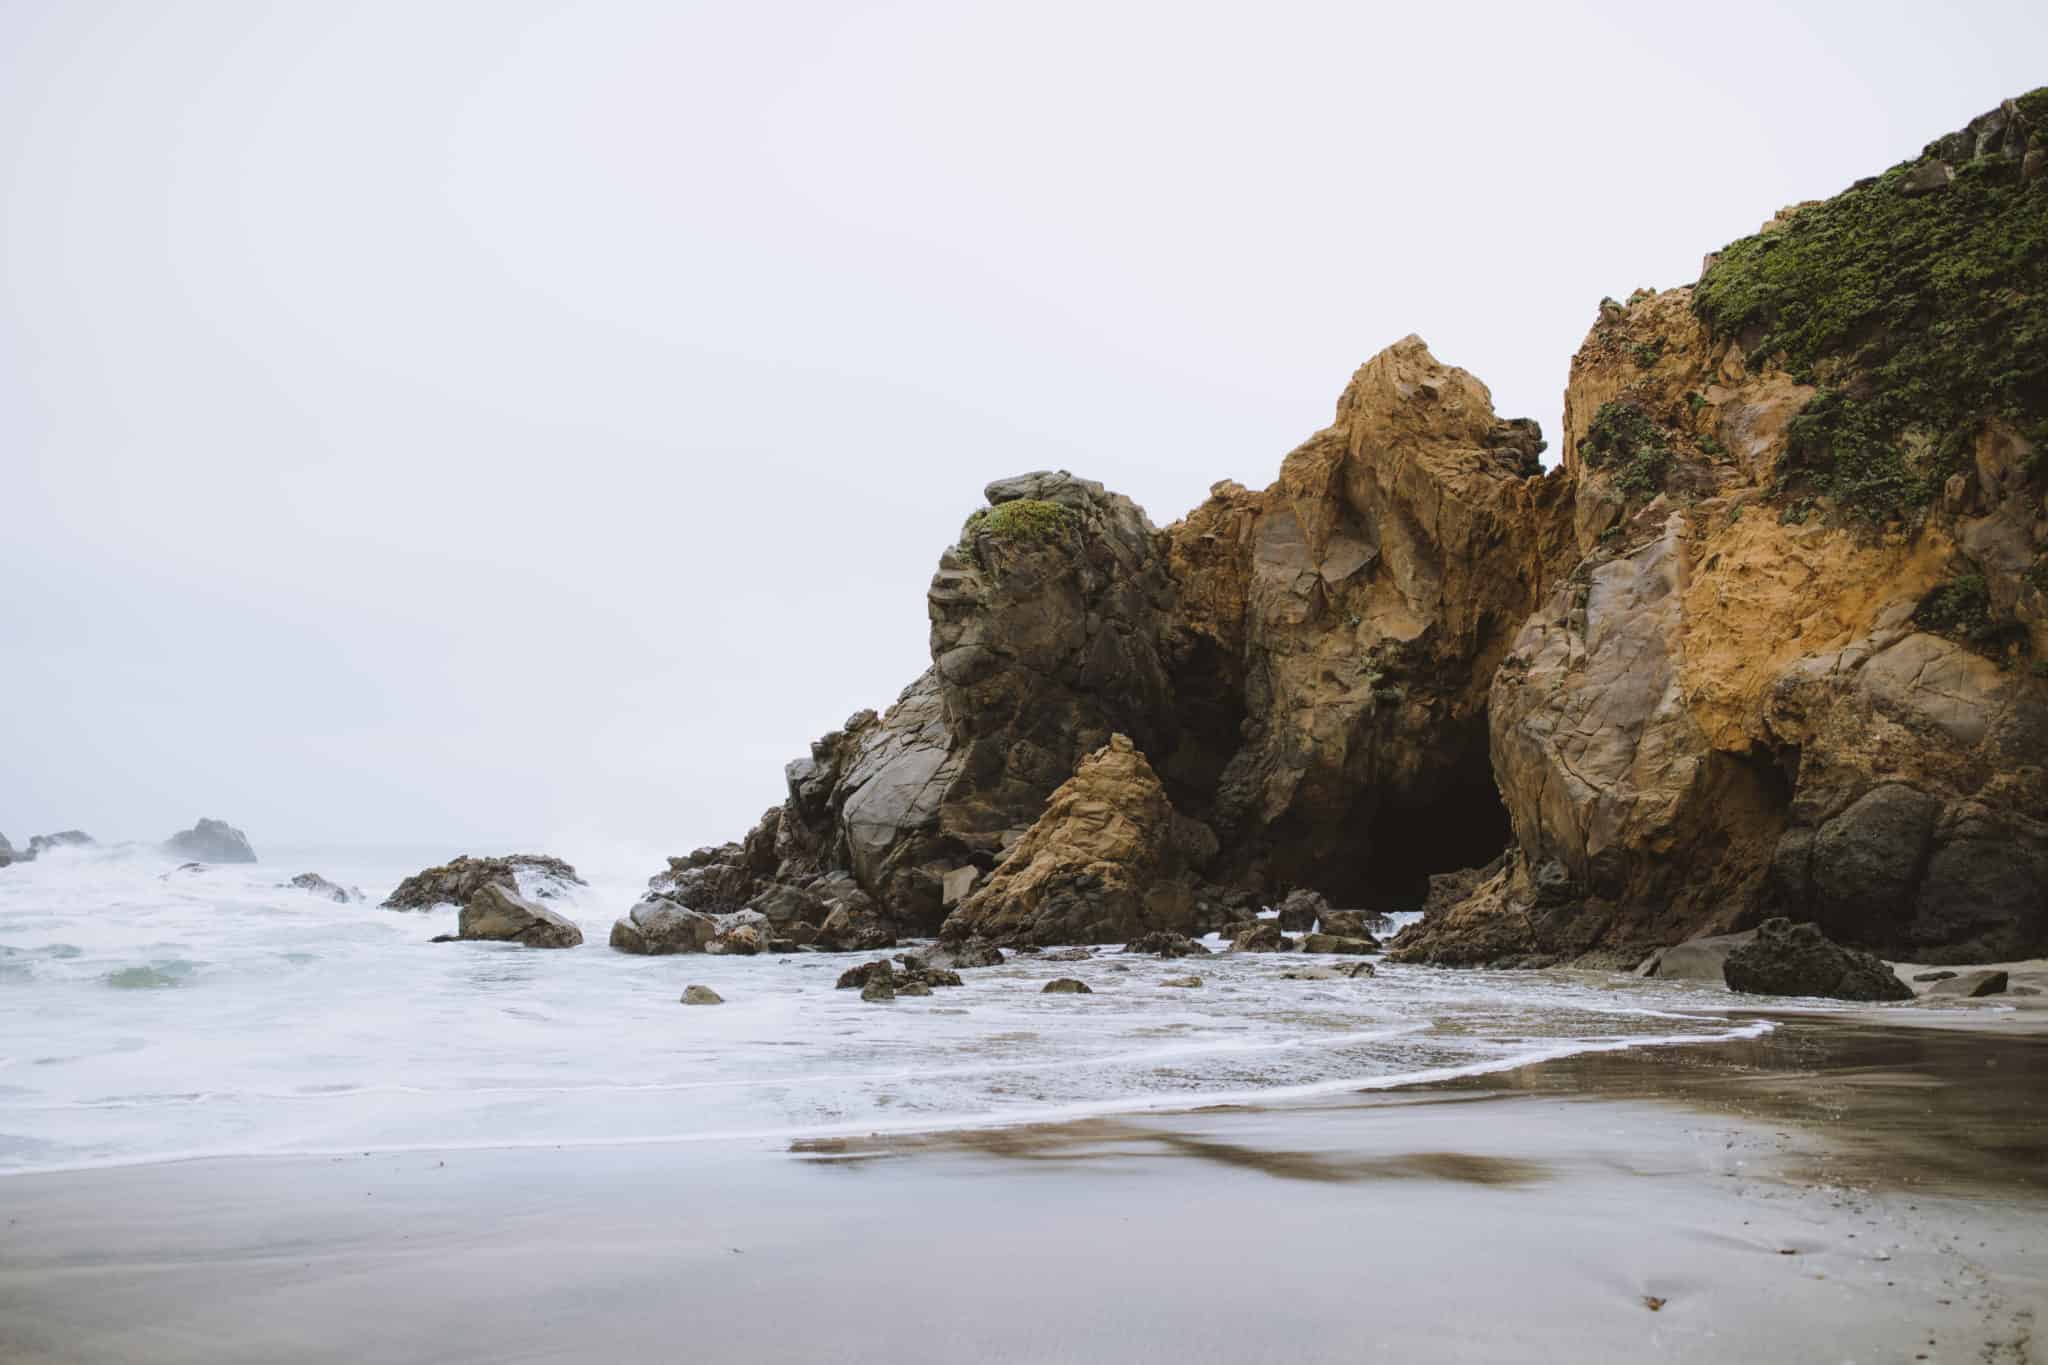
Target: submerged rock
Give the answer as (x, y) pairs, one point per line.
(211, 841)
(878, 982)
(1066, 985)
(315, 884)
(455, 883)
(1797, 959)
(1165, 943)
(1186, 983)
(497, 912)
(701, 995)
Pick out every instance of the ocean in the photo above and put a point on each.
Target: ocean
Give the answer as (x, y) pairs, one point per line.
(149, 1014)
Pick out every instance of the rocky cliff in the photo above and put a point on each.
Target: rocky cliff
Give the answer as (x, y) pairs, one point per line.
(1799, 668)
(1769, 640)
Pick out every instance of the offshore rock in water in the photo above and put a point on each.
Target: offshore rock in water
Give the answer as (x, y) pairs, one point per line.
(659, 925)
(1263, 937)
(701, 995)
(1066, 985)
(1165, 943)
(1301, 911)
(498, 913)
(1796, 959)
(211, 841)
(63, 838)
(455, 883)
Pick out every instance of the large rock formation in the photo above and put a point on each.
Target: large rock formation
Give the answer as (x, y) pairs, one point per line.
(1108, 862)
(1799, 669)
(1304, 666)
(40, 844)
(454, 883)
(1797, 959)
(1358, 607)
(211, 841)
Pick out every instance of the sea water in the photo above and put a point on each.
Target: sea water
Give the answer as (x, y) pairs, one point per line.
(149, 1013)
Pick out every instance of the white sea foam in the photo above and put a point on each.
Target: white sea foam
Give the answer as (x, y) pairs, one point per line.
(148, 1014)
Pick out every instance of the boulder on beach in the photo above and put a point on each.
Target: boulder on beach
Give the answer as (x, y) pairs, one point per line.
(1971, 985)
(701, 995)
(1797, 959)
(211, 841)
(1696, 959)
(659, 925)
(532, 874)
(316, 885)
(1263, 937)
(1109, 860)
(498, 913)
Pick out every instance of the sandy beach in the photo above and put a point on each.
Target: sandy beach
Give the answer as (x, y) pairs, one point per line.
(1835, 1191)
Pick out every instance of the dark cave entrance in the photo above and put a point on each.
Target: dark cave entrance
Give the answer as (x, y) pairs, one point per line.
(1407, 841)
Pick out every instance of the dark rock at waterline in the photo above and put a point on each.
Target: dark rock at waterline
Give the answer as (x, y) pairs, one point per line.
(211, 841)
(975, 952)
(6, 851)
(498, 913)
(915, 969)
(455, 883)
(1300, 911)
(1337, 943)
(1797, 959)
(659, 925)
(1166, 943)
(315, 884)
(1066, 985)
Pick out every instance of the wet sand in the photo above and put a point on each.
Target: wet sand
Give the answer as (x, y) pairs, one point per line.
(1837, 1191)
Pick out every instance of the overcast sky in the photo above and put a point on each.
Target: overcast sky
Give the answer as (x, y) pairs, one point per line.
(504, 422)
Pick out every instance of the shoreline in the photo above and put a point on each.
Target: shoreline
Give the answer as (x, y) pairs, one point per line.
(1833, 1189)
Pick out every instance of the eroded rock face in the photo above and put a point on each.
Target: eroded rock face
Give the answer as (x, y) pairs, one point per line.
(455, 883)
(1357, 608)
(498, 913)
(1795, 672)
(211, 841)
(1108, 862)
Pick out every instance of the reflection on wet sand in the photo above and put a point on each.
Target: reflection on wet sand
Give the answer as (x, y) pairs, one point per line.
(1100, 1140)
(1894, 1107)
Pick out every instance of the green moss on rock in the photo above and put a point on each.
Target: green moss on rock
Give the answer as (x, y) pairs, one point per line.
(1624, 438)
(1030, 520)
(1919, 315)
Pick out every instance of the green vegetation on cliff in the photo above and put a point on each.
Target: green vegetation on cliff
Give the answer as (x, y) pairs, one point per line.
(1025, 519)
(1622, 435)
(1919, 308)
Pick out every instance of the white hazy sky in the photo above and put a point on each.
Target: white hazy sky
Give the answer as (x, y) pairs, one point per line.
(494, 421)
